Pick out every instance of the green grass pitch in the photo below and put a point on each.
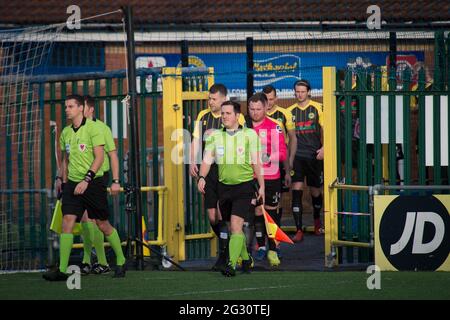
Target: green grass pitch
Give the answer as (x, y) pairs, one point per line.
(273, 285)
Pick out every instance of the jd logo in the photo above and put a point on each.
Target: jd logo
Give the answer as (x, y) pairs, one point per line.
(415, 233)
(418, 245)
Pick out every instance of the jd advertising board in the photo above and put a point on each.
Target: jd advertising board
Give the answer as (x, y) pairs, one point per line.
(412, 233)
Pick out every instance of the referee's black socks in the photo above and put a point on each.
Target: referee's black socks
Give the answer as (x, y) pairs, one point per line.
(223, 238)
(216, 228)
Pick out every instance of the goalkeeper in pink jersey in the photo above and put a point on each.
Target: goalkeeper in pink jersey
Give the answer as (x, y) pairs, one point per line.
(273, 153)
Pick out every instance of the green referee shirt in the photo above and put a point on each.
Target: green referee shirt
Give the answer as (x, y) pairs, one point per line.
(79, 145)
(232, 154)
(109, 143)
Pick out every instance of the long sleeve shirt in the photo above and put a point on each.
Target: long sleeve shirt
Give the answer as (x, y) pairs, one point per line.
(273, 147)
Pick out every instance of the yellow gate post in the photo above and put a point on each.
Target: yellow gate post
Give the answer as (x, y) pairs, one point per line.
(173, 161)
(330, 160)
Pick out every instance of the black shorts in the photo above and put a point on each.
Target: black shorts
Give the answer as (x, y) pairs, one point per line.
(106, 178)
(94, 200)
(309, 168)
(211, 187)
(272, 192)
(235, 199)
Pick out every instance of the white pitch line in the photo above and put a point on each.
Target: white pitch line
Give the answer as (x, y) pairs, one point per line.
(21, 271)
(226, 290)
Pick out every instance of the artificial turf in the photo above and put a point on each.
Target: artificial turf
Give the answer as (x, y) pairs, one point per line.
(275, 285)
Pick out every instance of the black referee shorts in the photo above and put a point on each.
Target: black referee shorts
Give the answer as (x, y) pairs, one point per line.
(309, 168)
(211, 187)
(236, 199)
(94, 200)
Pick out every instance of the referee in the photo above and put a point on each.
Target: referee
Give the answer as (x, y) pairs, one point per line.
(208, 121)
(236, 150)
(83, 143)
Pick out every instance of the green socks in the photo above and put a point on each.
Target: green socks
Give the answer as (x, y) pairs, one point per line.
(93, 235)
(88, 238)
(114, 240)
(65, 247)
(99, 239)
(237, 247)
(244, 251)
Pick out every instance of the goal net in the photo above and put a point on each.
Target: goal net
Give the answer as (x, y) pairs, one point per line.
(24, 198)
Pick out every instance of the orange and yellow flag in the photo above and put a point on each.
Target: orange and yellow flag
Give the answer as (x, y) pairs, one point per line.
(273, 231)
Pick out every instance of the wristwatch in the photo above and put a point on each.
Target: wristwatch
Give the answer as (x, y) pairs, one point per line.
(116, 181)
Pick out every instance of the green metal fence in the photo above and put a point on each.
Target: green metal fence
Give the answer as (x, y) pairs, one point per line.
(393, 130)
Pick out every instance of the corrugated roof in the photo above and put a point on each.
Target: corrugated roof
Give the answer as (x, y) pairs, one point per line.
(225, 11)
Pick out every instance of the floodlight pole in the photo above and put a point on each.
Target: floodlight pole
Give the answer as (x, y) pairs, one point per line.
(134, 167)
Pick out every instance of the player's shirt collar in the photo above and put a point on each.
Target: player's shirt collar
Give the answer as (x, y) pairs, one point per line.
(83, 122)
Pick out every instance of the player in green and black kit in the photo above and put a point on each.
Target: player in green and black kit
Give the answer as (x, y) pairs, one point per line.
(83, 143)
(308, 163)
